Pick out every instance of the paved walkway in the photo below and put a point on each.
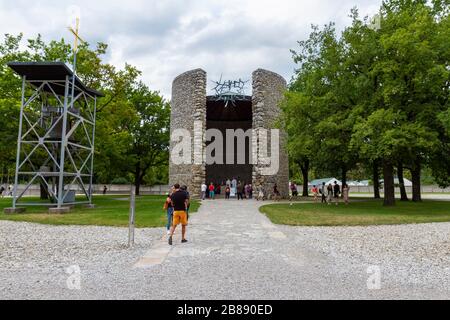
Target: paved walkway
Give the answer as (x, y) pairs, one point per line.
(222, 226)
(235, 252)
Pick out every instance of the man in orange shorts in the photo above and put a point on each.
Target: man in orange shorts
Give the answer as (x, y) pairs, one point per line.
(180, 201)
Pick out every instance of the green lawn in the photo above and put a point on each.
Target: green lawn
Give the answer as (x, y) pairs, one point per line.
(110, 211)
(358, 214)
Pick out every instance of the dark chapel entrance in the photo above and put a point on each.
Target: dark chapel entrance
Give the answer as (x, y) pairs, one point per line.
(232, 116)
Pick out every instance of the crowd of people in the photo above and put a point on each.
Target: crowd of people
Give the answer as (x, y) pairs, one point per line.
(178, 202)
(332, 193)
(328, 193)
(239, 190)
(232, 188)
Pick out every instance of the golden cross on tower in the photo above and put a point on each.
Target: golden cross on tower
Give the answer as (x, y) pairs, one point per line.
(75, 32)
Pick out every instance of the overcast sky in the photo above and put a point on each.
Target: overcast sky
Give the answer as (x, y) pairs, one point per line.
(166, 38)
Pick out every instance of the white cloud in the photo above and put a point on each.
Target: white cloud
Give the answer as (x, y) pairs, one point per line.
(166, 38)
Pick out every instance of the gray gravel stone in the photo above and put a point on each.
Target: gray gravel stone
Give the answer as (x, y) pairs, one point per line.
(234, 253)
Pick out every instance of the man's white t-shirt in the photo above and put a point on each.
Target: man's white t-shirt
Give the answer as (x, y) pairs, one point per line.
(204, 188)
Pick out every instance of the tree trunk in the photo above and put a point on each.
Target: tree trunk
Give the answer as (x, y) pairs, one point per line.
(344, 180)
(3, 175)
(401, 180)
(416, 173)
(44, 192)
(376, 180)
(389, 186)
(305, 172)
(138, 187)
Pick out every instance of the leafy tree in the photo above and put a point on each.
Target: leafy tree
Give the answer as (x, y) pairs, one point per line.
(122, 116)
(149, 133)
(301, 143)
(377, 95)
(317, 105)
(414, 72)
(386, 135)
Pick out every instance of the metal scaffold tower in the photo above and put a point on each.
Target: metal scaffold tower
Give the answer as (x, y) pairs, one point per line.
(56, 135)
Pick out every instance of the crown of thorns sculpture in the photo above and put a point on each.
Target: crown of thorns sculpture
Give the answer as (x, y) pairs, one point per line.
(230, 91)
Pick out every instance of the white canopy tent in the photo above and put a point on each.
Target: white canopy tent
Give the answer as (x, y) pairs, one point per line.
(327, 181)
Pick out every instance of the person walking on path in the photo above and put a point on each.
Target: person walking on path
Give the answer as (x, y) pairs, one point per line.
(323, 191)
(2, 191)
(276, 193)
(337, 192)
(234, 183)
(180, 204)
(296, 194)
(227, 192)
(250, 192)
(204, 190)
(239, 191)
(315, 192)
(212, 191)
(105, 190)
(330, 194)
(168, 207)
(292, 191)
(346, 194)
(261, 195)
(218, 189)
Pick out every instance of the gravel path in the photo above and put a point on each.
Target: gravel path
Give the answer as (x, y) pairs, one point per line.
(234, 253)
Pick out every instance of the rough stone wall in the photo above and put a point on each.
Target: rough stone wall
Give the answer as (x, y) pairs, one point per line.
(188, 107)
(268, 90)
(189, 103)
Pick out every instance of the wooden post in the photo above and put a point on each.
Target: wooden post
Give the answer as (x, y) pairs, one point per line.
(132, 217)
